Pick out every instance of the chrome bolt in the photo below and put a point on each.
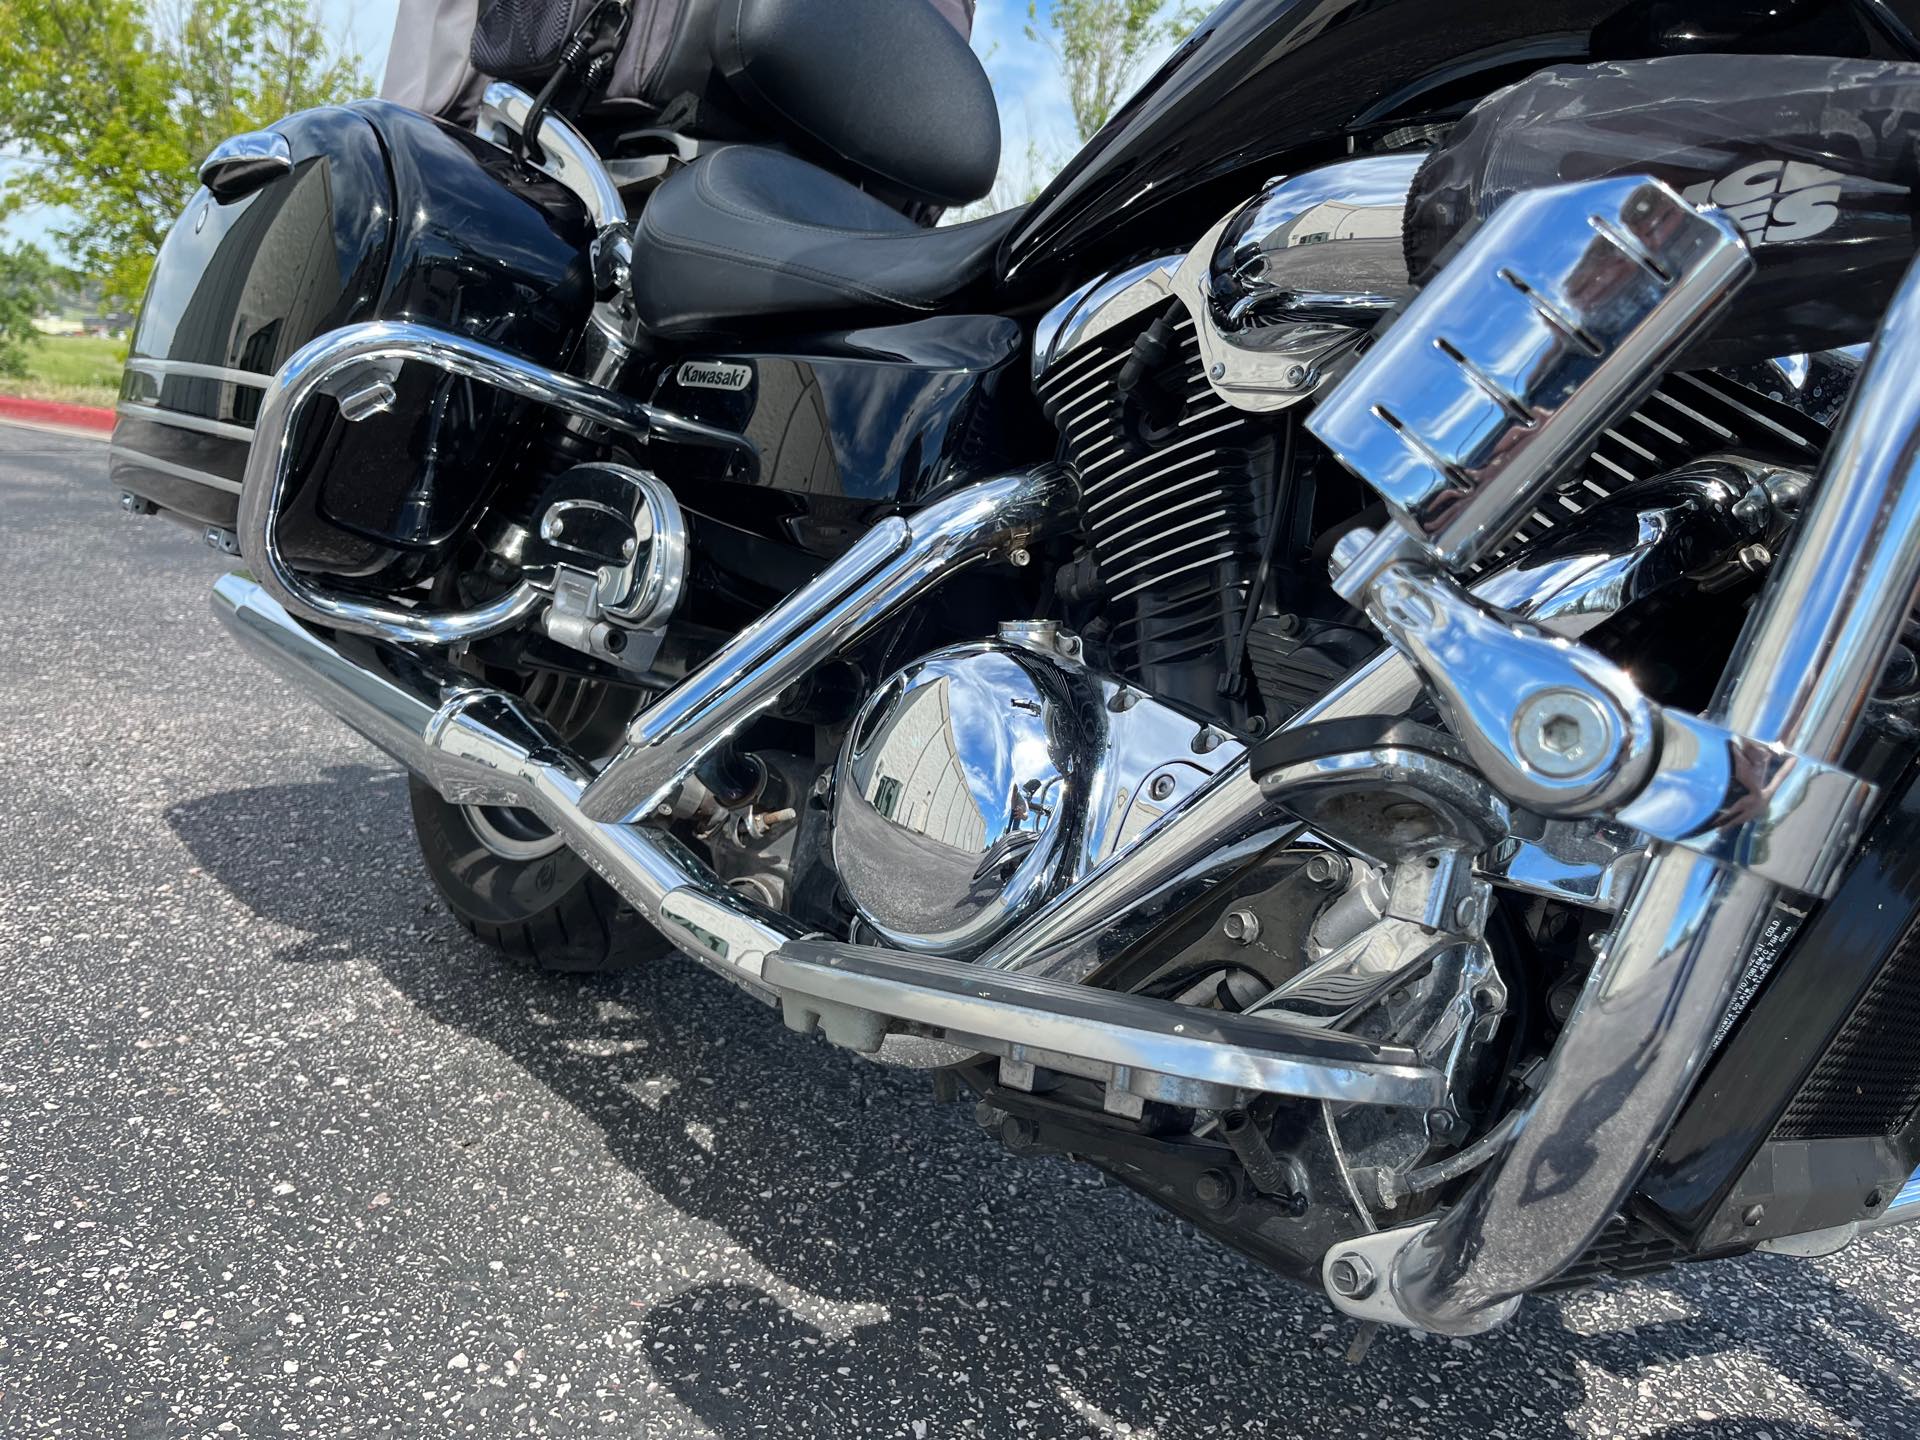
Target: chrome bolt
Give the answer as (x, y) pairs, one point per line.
(1755, 558)
(1217, 371)
(1018, 557)
(1563, 734)
(1466, 914)
(554, 526)
(1295, 374)
(1122, 701)
(1326, 870)
(1241, 926)
(1206, 741)
(1160, 787)
(1351, 1277)
(629, 548)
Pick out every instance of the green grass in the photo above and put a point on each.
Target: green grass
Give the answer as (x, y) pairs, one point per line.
(74, 368)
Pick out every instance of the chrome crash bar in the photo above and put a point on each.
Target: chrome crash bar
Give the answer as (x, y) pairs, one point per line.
(1806, 666)
(356, 367)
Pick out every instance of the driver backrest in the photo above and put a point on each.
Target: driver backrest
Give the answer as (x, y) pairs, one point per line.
(890, 88)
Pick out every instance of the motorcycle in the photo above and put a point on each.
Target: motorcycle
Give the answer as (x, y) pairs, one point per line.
(1351, 665)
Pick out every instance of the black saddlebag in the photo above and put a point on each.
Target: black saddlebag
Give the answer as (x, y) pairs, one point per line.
(382, 214)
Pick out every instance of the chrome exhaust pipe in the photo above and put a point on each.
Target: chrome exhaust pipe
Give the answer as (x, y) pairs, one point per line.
(478, 746)
(893, 564)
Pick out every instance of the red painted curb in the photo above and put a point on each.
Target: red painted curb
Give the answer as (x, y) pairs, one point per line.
(55, 412)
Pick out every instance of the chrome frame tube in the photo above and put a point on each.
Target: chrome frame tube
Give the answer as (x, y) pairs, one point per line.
(385, 343)
(479, 746)
(1800, 677)
(893, 564)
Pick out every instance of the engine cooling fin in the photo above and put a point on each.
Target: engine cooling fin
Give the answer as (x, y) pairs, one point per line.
(1168, 498)
(1178, 488)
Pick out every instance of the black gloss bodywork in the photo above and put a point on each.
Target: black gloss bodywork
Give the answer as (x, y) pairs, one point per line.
(386, 214)
(851, 424)
(237, 288)
(1262, 87)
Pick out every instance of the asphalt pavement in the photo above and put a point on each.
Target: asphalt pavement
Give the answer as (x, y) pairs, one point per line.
(284, 1152)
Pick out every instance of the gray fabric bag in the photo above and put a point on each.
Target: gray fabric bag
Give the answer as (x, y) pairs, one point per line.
(444, 51)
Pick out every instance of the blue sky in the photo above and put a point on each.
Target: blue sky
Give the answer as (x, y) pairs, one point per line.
(1033, 102)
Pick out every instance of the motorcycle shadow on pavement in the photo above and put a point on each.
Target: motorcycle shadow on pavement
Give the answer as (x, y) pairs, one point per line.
(865, 1262)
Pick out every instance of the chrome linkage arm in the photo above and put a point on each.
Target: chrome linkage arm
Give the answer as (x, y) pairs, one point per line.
(1560, 729)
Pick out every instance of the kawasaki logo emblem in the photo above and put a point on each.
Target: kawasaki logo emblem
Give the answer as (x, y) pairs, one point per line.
(715, 375)
(1775, 201)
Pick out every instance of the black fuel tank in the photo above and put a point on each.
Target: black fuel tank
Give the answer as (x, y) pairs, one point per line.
(1263, 87)
(384, 214)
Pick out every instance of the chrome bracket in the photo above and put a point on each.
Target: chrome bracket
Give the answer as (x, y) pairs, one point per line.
(1358, 1275)
(1563, 731)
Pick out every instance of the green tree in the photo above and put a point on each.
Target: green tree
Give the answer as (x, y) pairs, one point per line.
(113, 104)
(1099, 44)
(28, 284)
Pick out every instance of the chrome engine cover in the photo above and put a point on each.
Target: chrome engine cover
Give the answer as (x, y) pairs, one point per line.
(981, 780)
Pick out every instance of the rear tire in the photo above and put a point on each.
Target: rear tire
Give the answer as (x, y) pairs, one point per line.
(508, 878)
(546, 911)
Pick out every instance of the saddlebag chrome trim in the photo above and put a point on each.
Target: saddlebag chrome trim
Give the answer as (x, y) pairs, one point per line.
(892, 565)
(1800, 678)
(361, 358)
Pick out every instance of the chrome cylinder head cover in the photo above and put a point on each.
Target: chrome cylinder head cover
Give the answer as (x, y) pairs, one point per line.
(1282, 287)
(983, 779)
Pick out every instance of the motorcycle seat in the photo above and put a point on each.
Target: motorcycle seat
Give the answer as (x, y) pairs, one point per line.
(746, 234)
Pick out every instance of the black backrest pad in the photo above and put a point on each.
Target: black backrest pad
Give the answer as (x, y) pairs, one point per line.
(886, 85)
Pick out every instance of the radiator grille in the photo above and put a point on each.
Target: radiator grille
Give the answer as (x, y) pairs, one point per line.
(1625, 1247)
(1868, 1082)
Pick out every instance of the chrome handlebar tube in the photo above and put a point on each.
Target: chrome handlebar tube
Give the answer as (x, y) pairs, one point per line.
(1799, 679)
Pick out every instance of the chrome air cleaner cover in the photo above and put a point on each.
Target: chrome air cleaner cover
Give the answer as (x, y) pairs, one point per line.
(984, 778)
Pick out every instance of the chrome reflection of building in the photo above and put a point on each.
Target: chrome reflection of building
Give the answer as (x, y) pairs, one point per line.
(932, 797)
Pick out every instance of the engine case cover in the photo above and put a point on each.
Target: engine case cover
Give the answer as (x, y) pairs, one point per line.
(983, 779)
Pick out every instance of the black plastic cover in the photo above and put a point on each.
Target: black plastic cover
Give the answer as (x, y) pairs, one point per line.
(1814, 158)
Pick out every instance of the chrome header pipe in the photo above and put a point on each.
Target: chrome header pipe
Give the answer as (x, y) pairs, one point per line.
(893, 564)
(478, 746)
(1804, 670)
